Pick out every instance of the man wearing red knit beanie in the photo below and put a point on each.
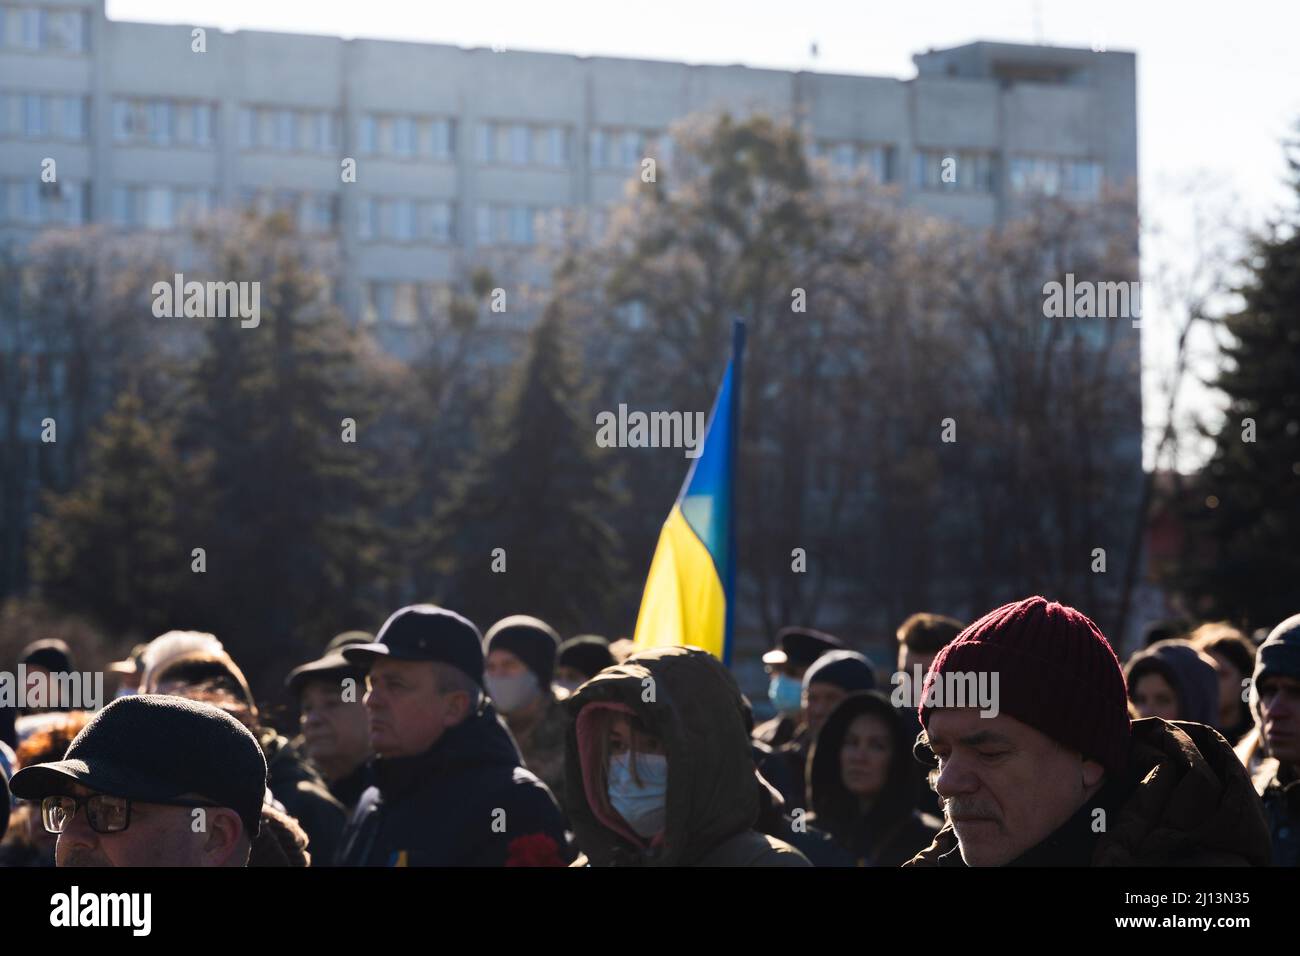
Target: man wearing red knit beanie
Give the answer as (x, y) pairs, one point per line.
(1055, 774)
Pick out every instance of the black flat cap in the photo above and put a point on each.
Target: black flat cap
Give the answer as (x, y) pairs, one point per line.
(800, 646)
(155, 747)
(332, 665)
(425, 632)
(51, 653)
(588, 654)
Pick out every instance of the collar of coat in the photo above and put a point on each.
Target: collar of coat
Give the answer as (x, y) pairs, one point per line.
(481, 739)
(1190, 802)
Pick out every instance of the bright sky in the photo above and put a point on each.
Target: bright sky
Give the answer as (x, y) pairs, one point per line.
(1218, 84)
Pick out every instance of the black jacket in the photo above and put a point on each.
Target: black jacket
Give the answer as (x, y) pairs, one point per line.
(893, 831)
(302, 791)
(466, 801)
(1184, 800)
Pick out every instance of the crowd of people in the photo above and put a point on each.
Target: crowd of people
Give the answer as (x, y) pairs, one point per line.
(430, 743)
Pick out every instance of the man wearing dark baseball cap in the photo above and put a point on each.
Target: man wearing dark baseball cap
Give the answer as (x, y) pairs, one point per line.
(449, 785)
(332, 718)
(152, 781)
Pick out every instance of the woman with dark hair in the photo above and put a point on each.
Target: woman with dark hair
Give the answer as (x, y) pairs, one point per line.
(861, 785)
(1173, 680)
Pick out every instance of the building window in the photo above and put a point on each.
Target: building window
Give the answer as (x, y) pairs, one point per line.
(33, 203)
(484, 141)
(557, 146)
(74, 117)
(34, 111)
(442, 142)
(31, 30)
(599, 156)
(520, 144)
(318, 214)
(366, 135)
(366, 220)
(441, 221)
(1034, 175)
(160, 122)
(630, 149)
(160, 131)
(954, 171)
(403, 136)
(327, 132)
(285, 133)
(1083, 180)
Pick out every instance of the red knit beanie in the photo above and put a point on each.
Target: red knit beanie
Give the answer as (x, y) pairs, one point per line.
(1056, 673)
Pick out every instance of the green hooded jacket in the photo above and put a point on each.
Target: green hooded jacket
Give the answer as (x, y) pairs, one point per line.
(686, 698)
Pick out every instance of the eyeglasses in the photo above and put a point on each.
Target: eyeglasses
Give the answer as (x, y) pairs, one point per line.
(105, 813)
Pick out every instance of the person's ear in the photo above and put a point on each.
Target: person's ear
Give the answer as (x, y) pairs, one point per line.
(456, 707)
(1092, 773)
(222, 830)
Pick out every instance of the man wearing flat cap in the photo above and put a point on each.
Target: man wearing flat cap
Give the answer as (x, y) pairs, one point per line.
(449, 788)
(333, 720)
(152, 781)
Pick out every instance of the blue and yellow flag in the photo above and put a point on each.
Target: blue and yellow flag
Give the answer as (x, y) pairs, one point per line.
(690, 591)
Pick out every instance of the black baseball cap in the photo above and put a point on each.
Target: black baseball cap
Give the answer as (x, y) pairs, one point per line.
(425, 632)
(158, 747)
(800, 646)
(332, 665)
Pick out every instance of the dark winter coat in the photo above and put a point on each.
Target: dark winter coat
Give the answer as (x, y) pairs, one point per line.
(1183, 800)
(303, 793)
(892, 832)
(466, 801)
(1279, 790)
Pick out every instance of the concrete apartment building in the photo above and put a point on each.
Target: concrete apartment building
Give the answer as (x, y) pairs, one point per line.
(466, 155)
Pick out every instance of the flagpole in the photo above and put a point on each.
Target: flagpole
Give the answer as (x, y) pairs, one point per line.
(737, 356)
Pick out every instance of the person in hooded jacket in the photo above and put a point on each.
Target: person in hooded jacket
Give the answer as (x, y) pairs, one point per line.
(861, 786)
(1173, 680)
(830, 679)
(658, 768)
(1056, 774)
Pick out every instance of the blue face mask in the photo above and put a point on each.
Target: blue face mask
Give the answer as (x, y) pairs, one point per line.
(642, 805)
(785, 693)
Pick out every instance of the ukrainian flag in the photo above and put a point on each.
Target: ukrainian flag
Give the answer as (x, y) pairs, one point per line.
(690, 591)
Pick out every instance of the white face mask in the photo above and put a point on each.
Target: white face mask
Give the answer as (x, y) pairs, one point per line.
(511, 693)
(642, 805)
